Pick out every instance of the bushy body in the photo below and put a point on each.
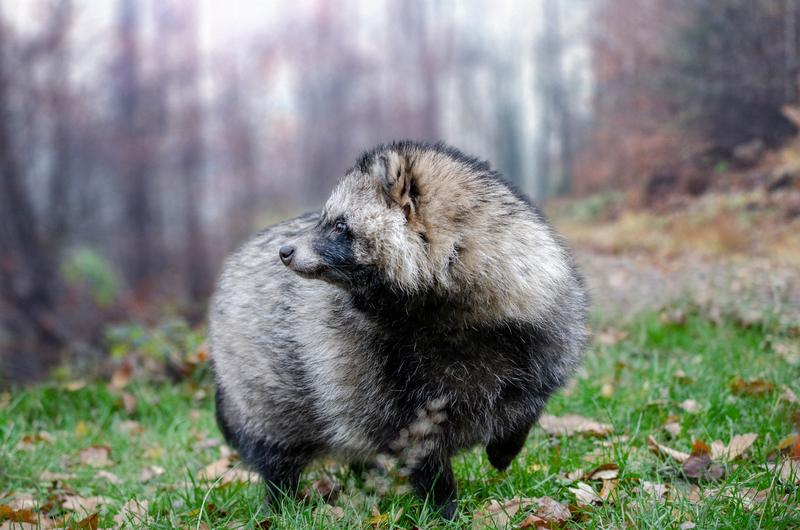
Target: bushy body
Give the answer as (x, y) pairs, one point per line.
(426, 309)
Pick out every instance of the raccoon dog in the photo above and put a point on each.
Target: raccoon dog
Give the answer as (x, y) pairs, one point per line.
(426, 309)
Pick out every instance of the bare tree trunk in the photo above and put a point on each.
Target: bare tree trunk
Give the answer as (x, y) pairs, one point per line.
(135, 161)
(198, 281)
(27, 273)
(59, 207)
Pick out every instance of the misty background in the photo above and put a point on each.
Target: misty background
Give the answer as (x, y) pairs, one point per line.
(142, 140)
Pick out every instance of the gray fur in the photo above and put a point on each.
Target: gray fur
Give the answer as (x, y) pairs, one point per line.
(443, 316)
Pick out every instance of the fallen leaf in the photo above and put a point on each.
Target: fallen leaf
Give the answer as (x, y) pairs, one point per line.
(553, 512)
(107, 475)
(327, 488)
(673, 428)
(23, 501)
(207, 443)
(585, 495)
(76, 503)
(690, 406)
(718, 449)
(573, 424)
(48, 476)
(604, 472)
(611, 336)
(122, 375)
(150, 472)
(326, 510)
(700, 466)
(130, 427)
(376, 518)
(609, 491)
(699, 447)
(241, 475)
(23, 515)
(682, 378)
(497, 515)
(81, 429)
(96, 456)
(128, 402)
(89, 523)
(659, 491)
(789, 396)
(739, 444)
(657, 448)
(74, 386)
(754, 387)
(133, 512)
(788, 471)
(215, 469)
(687, 525)
(572, 476)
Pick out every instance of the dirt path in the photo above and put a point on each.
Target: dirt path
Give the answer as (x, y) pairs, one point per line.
(623, 285)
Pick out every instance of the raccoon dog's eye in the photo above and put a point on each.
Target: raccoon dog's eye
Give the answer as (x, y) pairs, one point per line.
(340, 227)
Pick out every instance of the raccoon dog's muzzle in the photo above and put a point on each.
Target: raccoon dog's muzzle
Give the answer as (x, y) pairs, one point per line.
(299, 257)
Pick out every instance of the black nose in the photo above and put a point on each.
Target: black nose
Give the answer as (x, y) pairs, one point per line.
(286, 252)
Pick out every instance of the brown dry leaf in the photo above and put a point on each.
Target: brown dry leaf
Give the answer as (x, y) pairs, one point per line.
(607, 390)
(682, 378)
(327, 488)
(76, 503)
(376, 518)
(498, 515)
(739, 444)
(89, 523)
(48, 476)
(673, 428)
(755, 387)
(690, 406)
(718, 449)
(585, 495)
(789, 396)
(130, 427)
(96, 456)
(74, 386)
(22, 515)
(215, 469)
(107, 475)
(700, 466)
(133, 512)
(150, 472)
(657, 448)
(609, 491)
(611, 336)
(241, 475)
(687, 525)
(122, 375)
(788, 471)
(659, 491)
(128, 402)
(571, 476)
(23, 501)
(604, 472)
(573, 424)
(81, 429)
(326, 510)
(5, 400)
(553, 512)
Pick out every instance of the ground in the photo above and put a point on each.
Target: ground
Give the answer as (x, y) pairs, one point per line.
(687, 404)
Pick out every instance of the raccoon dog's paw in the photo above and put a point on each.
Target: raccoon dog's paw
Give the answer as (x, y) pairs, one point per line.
(502, 451)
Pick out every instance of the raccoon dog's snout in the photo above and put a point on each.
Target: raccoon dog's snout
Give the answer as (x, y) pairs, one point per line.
(287, 253)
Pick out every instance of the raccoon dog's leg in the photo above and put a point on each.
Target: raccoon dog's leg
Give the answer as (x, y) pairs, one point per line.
(279, 466)
(432, 477)
(502, 450)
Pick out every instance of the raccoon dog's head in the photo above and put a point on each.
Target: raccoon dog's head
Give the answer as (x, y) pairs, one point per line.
(376, 225)
(418, 219)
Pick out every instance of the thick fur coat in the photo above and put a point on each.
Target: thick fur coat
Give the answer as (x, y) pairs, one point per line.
(426, 309)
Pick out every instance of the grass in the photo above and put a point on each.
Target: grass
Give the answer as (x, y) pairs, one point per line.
(635, 384)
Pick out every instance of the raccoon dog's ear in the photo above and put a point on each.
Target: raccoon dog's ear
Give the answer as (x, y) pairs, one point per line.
(394, 173)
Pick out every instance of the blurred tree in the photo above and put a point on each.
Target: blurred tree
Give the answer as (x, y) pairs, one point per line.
(733, 66)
